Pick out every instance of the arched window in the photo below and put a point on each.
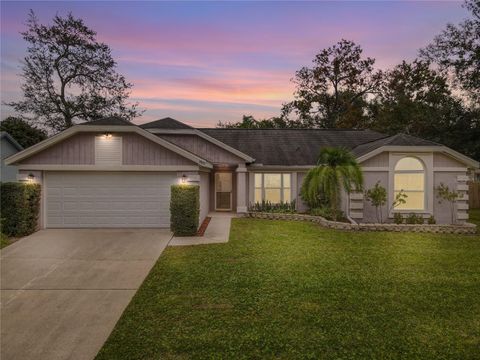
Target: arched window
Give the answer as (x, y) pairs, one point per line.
(410, 177)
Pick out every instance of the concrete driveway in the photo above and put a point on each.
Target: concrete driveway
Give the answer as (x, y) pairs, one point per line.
(64, 290)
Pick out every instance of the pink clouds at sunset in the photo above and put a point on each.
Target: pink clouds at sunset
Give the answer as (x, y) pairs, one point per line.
(216, 61)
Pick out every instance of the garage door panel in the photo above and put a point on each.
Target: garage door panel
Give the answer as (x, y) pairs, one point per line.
(108, 199)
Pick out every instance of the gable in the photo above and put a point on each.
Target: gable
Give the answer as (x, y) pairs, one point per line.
(202, 148)
(79, 149)
(442, 160)
(380, 160)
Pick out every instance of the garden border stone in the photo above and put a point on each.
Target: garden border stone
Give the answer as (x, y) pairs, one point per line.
(418, 228)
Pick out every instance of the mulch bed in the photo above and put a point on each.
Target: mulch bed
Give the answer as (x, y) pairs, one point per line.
(203, 227)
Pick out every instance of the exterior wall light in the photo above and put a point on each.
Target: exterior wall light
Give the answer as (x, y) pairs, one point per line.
(30, 178)
(107, 135)
(184, 179)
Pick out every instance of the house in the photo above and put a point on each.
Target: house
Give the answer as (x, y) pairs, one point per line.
(111, 173)
(9, 146)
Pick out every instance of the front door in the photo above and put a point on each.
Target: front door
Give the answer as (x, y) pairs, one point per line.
(223, 191)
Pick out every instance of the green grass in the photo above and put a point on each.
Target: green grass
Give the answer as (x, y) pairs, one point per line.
(292, 290)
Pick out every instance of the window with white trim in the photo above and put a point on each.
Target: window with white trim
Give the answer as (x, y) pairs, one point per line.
(409, 176)
(273, 187)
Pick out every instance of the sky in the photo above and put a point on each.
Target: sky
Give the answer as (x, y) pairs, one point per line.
(205, 62)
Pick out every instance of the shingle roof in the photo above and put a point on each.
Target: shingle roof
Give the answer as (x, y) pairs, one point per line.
(394, 140)
(110, 120)
(289, 147)
(165, 123)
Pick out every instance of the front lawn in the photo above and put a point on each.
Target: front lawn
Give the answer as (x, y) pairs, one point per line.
(293, 290)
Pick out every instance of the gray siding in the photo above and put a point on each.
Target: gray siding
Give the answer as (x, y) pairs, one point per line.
(380, 160)
(301, 206)
(80, 150)
(441, 160)
(203, 148)
(76, 150)
(7, 172)
(138, 150)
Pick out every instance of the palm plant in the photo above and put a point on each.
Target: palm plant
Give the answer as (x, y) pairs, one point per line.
(336, 169)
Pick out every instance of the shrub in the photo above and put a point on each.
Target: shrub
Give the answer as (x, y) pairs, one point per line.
(327, 213)
(414, 219)
(20, 208)
(378, 198)
(397, 218)
(184, 209)
(267, 206)
(431, 220)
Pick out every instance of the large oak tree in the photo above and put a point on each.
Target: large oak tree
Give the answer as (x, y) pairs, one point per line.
(69, 76)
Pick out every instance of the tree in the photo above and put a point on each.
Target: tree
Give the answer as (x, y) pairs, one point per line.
(333, 93)
(24, 133)
(451, 196)
(249, 122)
(417, 100)
(378, 198)
(336, 169)
(457, 52)
(68, 76)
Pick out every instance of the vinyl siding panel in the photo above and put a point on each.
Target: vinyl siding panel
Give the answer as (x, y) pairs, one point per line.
(441, 160)
(138, 150)
(203, 148)
(380, 160)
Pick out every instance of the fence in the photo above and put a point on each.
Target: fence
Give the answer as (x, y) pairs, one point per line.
(474, 194)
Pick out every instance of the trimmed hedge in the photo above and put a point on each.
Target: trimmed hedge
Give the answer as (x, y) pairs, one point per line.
(19, 208)
(184, 209)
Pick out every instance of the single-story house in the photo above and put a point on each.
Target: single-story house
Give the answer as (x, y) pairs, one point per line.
(9, 146)
(112, 173)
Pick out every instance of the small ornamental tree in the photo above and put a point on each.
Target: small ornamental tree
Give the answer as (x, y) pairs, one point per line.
(451, 196)
(378, 198)
(400, 198)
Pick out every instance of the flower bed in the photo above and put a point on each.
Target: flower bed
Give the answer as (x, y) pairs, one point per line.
(419, 228)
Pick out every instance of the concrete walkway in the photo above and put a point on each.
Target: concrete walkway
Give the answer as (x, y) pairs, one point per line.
(64, 290)
(218, 231)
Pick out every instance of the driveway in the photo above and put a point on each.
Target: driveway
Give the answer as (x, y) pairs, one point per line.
(64, 290)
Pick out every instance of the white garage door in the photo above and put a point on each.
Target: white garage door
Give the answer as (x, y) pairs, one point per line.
(108, 199)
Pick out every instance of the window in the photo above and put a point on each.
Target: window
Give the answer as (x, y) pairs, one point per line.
(272, 187)
(410, 177)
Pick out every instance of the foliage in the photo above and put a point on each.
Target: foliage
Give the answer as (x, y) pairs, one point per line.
(68, 75)
(24, 133)
(267, 206)
(445, 194)
(20, 208)
(184, 209)
(400, 198)
(249, 122)
(327, 213)
(398, 218)
(294, 290)
(413, 218)
(431, 220)
(456, 50)
(336, 169)
(4, 241)
(333, 93)
(378, 198)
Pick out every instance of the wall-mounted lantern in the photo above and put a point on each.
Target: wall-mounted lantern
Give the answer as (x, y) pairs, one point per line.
(184, 179)
(107, 135)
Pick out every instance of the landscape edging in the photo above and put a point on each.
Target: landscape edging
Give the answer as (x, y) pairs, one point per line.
(419, 228)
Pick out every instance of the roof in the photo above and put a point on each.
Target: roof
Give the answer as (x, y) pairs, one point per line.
(165, 123)
(289, 147)
(110, 120)
(6, 135)
(394, 140)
